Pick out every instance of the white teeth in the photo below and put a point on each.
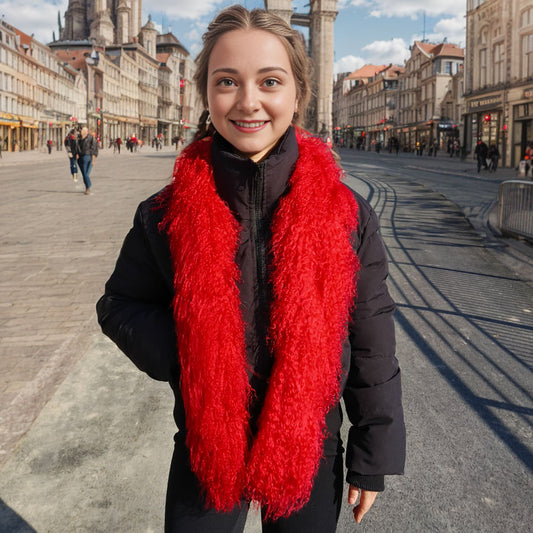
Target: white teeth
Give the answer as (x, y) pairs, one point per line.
(249, 124)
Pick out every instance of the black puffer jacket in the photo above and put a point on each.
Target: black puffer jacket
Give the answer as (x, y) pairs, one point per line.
(136, 310)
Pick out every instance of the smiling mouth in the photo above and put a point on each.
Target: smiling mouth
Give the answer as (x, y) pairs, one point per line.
(250, 125)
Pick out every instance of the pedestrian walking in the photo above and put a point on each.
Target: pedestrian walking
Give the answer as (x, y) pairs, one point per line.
(481, 152)
(255, 284)
(49, 144)
(71, 146)
(87, 153)
(494, 156)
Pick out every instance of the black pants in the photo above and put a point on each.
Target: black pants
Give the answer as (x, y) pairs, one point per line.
(185, 511)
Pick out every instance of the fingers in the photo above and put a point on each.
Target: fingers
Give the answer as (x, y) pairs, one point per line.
(353, 493)
(365, 503)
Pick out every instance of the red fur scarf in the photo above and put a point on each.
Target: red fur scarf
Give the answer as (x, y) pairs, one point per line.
(313, 280)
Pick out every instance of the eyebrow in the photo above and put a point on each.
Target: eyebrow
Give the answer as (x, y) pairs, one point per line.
(260, 71)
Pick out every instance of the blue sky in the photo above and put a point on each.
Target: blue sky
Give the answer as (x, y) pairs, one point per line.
(366, 31)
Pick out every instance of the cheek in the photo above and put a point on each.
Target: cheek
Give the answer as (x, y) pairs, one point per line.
(218, 103)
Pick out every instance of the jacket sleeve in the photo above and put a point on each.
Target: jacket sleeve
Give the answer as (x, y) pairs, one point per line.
(136, 308)
(372, 394)
(94, 147)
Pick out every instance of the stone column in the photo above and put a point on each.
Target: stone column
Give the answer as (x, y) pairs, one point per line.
(282, 8)
(323, 14)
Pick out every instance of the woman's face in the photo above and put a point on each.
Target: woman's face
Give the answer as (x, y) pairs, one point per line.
(251, 90)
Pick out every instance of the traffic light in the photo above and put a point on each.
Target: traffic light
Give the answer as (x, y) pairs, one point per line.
(487, 117)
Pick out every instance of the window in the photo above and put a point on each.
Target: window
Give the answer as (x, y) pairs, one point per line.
(526, 18)
(448, 67)
(483, 67)
(527, 56)
(498, 72)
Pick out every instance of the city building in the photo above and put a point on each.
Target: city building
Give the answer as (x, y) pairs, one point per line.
(139, 82)
(499, 76)
(422, 89)
(40, 96)
(365, 105)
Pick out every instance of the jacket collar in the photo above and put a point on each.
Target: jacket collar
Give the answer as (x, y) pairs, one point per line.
(234, 174)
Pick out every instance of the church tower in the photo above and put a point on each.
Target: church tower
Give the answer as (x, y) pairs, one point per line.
(75, 21)
(104, 22)
(102, 29)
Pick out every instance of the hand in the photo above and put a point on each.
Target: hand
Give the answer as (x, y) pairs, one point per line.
(365, 503)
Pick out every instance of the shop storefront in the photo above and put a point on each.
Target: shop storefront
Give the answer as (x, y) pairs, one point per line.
(485, 123)
(9, 132)
(448, 134)
(522, 135)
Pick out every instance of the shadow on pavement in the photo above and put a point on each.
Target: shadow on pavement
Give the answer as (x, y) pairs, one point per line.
(11, 522)
(462, 310)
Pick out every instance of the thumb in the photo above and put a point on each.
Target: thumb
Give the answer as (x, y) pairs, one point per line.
(365, 503)
(353, 493)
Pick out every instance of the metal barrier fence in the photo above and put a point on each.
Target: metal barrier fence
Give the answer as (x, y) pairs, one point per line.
(515, 208)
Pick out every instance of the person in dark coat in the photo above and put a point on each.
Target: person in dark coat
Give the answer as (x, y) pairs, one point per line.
(71, 146)
(481, 152)
(494, 156)
(87, 154)
(255, 284)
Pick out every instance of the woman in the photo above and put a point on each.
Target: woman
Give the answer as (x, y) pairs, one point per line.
(71, 146)
(237, 284)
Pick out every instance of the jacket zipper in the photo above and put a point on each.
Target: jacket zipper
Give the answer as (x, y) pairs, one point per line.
(259, 231)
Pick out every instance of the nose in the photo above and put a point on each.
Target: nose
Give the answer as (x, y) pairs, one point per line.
(249, 100)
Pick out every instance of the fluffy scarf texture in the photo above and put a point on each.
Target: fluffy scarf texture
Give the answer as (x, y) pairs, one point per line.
(313, 278)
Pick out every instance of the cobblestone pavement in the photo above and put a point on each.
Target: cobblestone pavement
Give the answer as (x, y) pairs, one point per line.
(57, 249)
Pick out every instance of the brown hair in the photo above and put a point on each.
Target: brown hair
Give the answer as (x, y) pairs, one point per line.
(237, 17)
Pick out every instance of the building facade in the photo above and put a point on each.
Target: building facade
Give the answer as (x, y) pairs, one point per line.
(40, 96)
(422, 89)
(138, 80)
(400, 107)
(368, 98)
(499, 76)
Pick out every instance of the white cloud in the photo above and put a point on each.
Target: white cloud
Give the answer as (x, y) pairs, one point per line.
(413, 8)
(342, 4)
(451, 29)
(348, 64)
(454, 29)
(34, 16)
(407, 8)
(181, 9)
(384, 52)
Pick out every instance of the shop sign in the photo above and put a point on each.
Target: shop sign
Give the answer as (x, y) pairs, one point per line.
(484, 102)
(528, 93)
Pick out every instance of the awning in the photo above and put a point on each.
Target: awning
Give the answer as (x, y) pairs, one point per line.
(148, 122)
(7, 119)
(11, 124)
